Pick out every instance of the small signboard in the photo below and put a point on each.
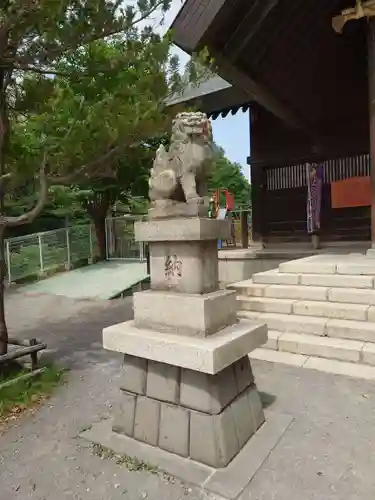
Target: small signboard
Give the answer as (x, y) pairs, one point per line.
(222, 213)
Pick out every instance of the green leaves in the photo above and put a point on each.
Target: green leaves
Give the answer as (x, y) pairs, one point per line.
(45, 30)
(228, 175)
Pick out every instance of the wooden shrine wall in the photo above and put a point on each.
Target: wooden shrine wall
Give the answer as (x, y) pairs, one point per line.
(285, 196)
(279, 183)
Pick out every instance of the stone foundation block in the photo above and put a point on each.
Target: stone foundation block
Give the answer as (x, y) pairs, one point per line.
(147, 420)
(216, 439)
(124, 417)
(208, 393)
(255, 407)
(211, 437)
(224, 388)
(174, 429)
(243, 373)
(134, 373)
(163, 382)
(185, 314)
(227, 442)
(243, 419)
(203, 442)
(195, 391)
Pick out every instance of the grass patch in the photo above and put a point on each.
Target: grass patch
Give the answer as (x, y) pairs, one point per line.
(25, 393)
(131, 463)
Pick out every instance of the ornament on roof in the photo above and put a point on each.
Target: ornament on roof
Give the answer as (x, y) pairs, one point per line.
(361, 10)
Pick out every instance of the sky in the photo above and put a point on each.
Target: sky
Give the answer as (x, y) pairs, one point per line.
(232, 132)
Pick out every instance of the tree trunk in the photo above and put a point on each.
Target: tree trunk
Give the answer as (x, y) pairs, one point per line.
(99, 225)
(4, 131)
(3, 325)
(97, 208)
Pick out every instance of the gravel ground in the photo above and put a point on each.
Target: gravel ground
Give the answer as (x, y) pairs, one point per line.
(326, 454)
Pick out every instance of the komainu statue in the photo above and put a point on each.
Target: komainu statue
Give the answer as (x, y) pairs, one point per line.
(180, 173)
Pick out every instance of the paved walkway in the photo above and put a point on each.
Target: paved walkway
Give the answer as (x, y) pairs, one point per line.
(101, 281)
(326, 453)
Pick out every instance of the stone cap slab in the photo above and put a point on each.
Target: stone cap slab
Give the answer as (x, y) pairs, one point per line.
(208, 355)
(167, 209)
(185, 314)
(182, 229)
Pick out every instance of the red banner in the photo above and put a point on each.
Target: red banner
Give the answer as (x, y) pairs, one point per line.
(353, 192)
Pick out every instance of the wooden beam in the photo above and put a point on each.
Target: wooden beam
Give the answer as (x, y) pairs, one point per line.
(249, 26)
(255, 91)
(193, 21)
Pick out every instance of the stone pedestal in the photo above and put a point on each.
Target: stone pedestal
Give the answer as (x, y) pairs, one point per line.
(187, 386)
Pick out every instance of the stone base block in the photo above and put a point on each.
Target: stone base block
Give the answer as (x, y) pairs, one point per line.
(208, 355)
(169, 209)
(172, 384)
(184, 267)
(196, 315)
(231, 482)
(210, 419)
(184, 229)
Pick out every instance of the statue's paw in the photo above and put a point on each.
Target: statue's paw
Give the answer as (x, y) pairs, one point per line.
(196, 200)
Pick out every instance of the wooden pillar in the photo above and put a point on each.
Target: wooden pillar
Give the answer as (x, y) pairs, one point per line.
(244, 229)
(258, 203)
(371, 83)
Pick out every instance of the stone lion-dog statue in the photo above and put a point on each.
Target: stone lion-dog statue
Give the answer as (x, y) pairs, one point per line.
(180, 173)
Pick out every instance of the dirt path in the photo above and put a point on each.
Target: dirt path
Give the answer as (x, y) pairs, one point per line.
(41, 456)
(327, 452)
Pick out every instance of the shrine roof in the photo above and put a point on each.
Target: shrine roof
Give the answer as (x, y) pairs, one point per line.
(284, 54)
(214, 96)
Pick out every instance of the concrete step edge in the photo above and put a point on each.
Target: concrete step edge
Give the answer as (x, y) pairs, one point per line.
(332, 366)
(322, 347)
(310, 308)
(362, 331)
(362, 282)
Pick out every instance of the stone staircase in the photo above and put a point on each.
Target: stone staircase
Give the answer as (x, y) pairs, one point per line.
(321, 306)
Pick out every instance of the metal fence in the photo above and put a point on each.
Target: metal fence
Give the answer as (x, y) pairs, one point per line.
(38, 254)
(120, 239)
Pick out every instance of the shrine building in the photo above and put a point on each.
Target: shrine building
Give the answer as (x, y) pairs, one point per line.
(305, 69)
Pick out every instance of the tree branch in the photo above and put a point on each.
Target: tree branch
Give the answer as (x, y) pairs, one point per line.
(84, 169)
(34, 212)
(52, 53)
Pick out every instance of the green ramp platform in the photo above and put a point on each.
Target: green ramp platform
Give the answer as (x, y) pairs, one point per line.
(102, 281)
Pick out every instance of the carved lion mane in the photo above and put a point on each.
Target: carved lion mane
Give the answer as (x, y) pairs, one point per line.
(180, 173)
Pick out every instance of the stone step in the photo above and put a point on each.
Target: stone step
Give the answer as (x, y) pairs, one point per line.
(333, 366)
(248, 288)
(333, 310)
(300, 292)
(351, 295)
(296, 292)
(262, 304)
(309, 265)
(337, 280)
(289, 322)
(322, 347)
(310, 325)
(275, 277)
(349, 264)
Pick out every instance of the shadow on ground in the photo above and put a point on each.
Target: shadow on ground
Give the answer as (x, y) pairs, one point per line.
(71, 329)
